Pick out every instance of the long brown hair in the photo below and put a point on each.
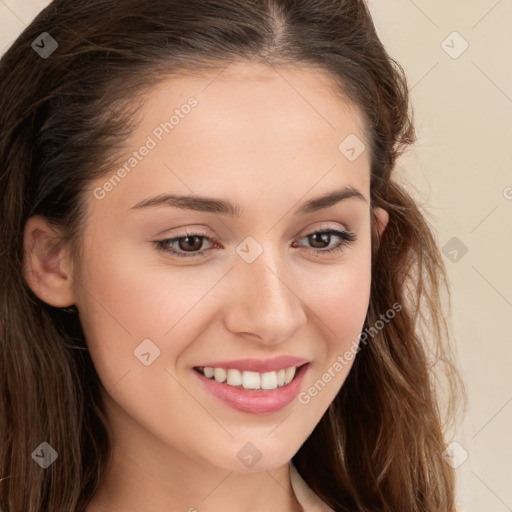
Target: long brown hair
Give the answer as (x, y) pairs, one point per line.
(64, 119)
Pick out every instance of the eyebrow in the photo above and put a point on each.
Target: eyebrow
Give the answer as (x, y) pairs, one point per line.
(212, 205)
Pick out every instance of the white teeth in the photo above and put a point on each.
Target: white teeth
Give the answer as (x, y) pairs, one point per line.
(290, 373)
(234, 378)
(268, 380)
(219, 374)
(251, 380)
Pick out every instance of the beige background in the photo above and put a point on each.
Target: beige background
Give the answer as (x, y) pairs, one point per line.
(461, 171)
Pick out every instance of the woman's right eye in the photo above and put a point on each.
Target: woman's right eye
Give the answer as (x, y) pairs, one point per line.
(191, 241)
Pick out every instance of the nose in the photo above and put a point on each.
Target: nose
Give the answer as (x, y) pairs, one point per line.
(264, 304)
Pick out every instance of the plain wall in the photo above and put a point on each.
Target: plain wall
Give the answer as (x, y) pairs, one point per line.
(461, 171)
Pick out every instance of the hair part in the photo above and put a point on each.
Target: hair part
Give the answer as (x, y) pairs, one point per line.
(379, 446)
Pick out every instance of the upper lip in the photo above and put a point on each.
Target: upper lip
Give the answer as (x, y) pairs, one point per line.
(259, 365)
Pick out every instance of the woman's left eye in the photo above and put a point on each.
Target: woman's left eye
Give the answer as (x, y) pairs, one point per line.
(191, 242)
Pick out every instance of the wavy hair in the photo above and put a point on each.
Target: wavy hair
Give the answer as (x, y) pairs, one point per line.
(64, 119)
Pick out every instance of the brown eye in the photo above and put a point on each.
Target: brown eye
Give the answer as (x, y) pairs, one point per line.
(320, 239)
(190, 243)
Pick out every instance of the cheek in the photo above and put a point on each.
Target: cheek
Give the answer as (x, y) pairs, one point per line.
(340, 299)
(347, 307)
(116, 301)
(128, 296)
(340, 304)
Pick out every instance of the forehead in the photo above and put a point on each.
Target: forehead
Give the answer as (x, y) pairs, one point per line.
(244, 128)
(300, 97)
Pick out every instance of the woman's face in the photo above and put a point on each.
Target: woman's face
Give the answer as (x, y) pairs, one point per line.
(253, 150)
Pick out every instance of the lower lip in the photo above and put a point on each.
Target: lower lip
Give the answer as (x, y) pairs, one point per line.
(254, 401)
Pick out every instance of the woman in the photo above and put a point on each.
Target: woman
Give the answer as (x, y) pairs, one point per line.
(213, 292)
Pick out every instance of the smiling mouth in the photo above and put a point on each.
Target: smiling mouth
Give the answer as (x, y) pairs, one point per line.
(249, 380)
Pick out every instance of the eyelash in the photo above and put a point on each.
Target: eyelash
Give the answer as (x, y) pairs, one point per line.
(347, 238)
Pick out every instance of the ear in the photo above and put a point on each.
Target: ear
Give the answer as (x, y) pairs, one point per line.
(46, 265)
(382, 217)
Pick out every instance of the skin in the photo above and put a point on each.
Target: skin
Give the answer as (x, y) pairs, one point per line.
(269, 141)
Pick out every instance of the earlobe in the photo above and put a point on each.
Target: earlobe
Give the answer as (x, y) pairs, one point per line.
(382, 219)
(46, 264)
